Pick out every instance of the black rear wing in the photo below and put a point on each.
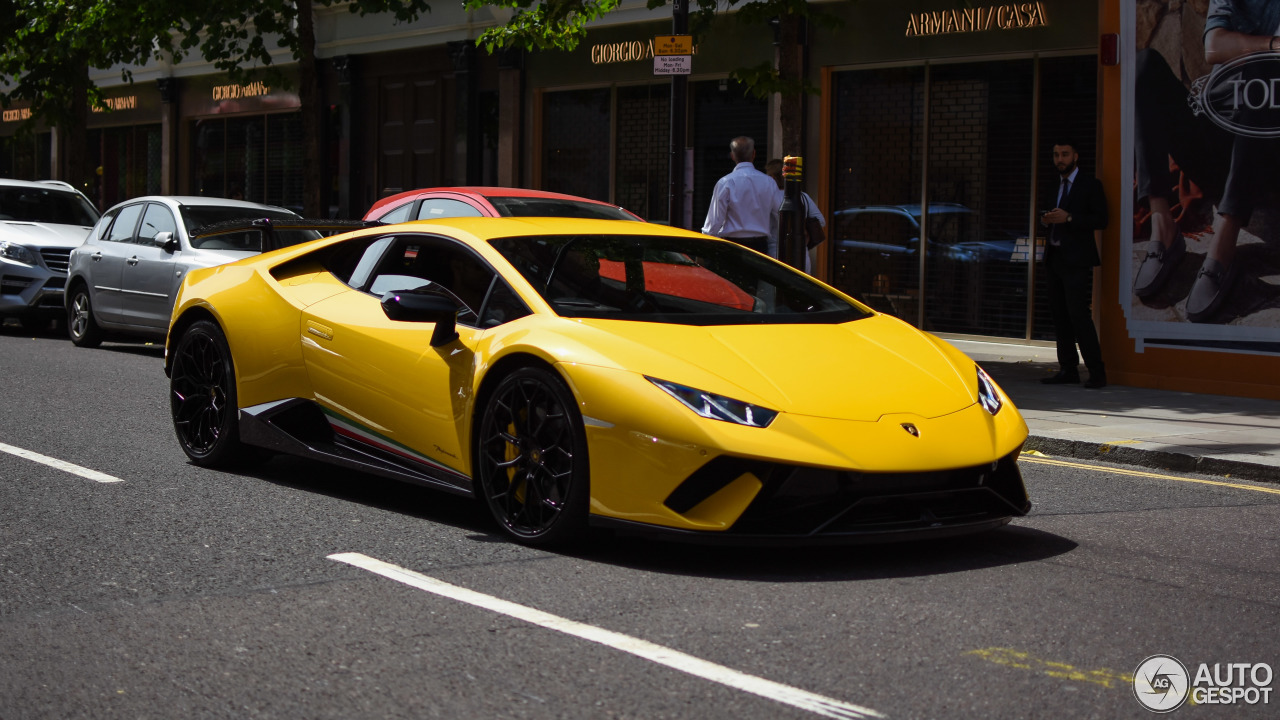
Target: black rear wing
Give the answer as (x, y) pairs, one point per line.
(273, 233)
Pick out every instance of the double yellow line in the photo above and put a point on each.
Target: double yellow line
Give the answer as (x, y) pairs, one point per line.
(1137, 473)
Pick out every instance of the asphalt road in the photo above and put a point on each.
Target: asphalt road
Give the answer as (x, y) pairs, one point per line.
(184, 592)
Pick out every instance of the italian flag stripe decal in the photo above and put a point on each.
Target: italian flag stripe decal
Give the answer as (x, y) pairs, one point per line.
(347, 427)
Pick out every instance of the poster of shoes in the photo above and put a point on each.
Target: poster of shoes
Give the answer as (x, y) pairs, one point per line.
(1201, 265)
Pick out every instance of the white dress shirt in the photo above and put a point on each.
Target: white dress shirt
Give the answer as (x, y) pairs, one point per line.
(743, 204)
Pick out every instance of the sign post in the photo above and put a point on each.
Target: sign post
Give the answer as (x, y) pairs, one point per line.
(673, 55)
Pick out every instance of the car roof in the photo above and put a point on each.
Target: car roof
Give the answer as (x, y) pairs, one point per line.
(483, 229)
(202, 201)
(40, 184)
(481, 192)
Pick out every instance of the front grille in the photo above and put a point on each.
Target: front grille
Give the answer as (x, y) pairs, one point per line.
(804, 501)
(12, 284)
(56, 259)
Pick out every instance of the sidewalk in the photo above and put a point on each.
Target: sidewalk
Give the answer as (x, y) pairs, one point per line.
(1161, 429)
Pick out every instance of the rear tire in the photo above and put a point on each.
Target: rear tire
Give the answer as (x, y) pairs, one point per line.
(531, 458)
(202, 398)
(81, 326)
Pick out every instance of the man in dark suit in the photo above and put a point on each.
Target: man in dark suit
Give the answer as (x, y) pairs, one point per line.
(1079, 208)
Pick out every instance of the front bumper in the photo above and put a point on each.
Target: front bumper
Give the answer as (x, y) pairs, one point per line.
(804, 505)
(659, 468)
(34, 289)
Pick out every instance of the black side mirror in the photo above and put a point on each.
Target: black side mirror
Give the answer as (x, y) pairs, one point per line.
(409, 306)
(165, 241)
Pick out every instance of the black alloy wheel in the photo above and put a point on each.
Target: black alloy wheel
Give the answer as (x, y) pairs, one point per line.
(81, 326)
(531, 458)
(202, 397)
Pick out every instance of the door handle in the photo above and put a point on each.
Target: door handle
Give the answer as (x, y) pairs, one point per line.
(96, 256)
(133, 260)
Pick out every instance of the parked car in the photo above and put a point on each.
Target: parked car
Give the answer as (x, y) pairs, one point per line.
(124, 278)
(493, 358)
(40, 223)
(447, 202)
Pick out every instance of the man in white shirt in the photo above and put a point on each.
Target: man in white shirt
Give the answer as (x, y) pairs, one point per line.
(744, 201)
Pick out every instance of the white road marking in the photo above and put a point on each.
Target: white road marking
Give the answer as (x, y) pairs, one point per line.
(675, 659)
(60, 464)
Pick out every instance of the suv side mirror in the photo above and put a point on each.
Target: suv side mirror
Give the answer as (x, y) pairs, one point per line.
(164, 241)
(409, 306)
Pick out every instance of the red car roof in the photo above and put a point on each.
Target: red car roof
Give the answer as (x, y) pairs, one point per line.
(479, 192)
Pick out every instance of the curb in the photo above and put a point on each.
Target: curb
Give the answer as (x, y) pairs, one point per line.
(1158, 459)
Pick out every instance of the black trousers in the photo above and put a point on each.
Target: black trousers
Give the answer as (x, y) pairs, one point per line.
(1070, 297)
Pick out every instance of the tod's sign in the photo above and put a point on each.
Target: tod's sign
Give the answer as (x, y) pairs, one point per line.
(1242, 96)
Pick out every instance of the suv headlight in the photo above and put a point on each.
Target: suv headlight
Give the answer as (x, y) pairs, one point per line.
(717, 407)
(987, 393)
(17, 253)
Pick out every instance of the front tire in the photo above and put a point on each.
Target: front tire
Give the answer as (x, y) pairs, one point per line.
(81, 326)
(202, 397)
(531, 458)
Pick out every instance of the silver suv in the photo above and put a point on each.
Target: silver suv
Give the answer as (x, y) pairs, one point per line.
(125, 277)
(40, 222)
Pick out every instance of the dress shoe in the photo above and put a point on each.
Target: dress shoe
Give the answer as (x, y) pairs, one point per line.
(1096, 380)
(1061, 378)
(1158, 266)
(1212, 285)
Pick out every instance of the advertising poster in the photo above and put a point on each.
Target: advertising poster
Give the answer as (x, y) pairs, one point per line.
(1201, 260)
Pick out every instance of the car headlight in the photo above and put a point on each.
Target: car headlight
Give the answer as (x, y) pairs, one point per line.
(17, 253)
(987, 393)
(717, 407)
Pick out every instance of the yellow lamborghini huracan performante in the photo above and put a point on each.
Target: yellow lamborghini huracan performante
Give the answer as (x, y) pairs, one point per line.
(575, 373)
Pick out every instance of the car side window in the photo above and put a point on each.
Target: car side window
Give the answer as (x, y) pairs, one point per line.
(413, 262)
(433, 208)
(399, 215)
(502, 306)
(104, 225)
(123, 229)
(156, 220)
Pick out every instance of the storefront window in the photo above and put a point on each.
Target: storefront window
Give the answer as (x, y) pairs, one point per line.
(256, 158)
(980, 160)
(26, 157)
(575, 147)
(644, 124)
(977, 154)
(875, 221)
(128, 163)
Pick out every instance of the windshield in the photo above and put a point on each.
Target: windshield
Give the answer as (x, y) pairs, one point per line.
(199, 216)
(46, 205)
(556, 207)
(683, 280)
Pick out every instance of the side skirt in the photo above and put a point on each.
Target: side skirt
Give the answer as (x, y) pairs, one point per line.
(298, 427)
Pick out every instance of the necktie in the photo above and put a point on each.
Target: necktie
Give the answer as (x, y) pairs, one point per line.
(1056, 232)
